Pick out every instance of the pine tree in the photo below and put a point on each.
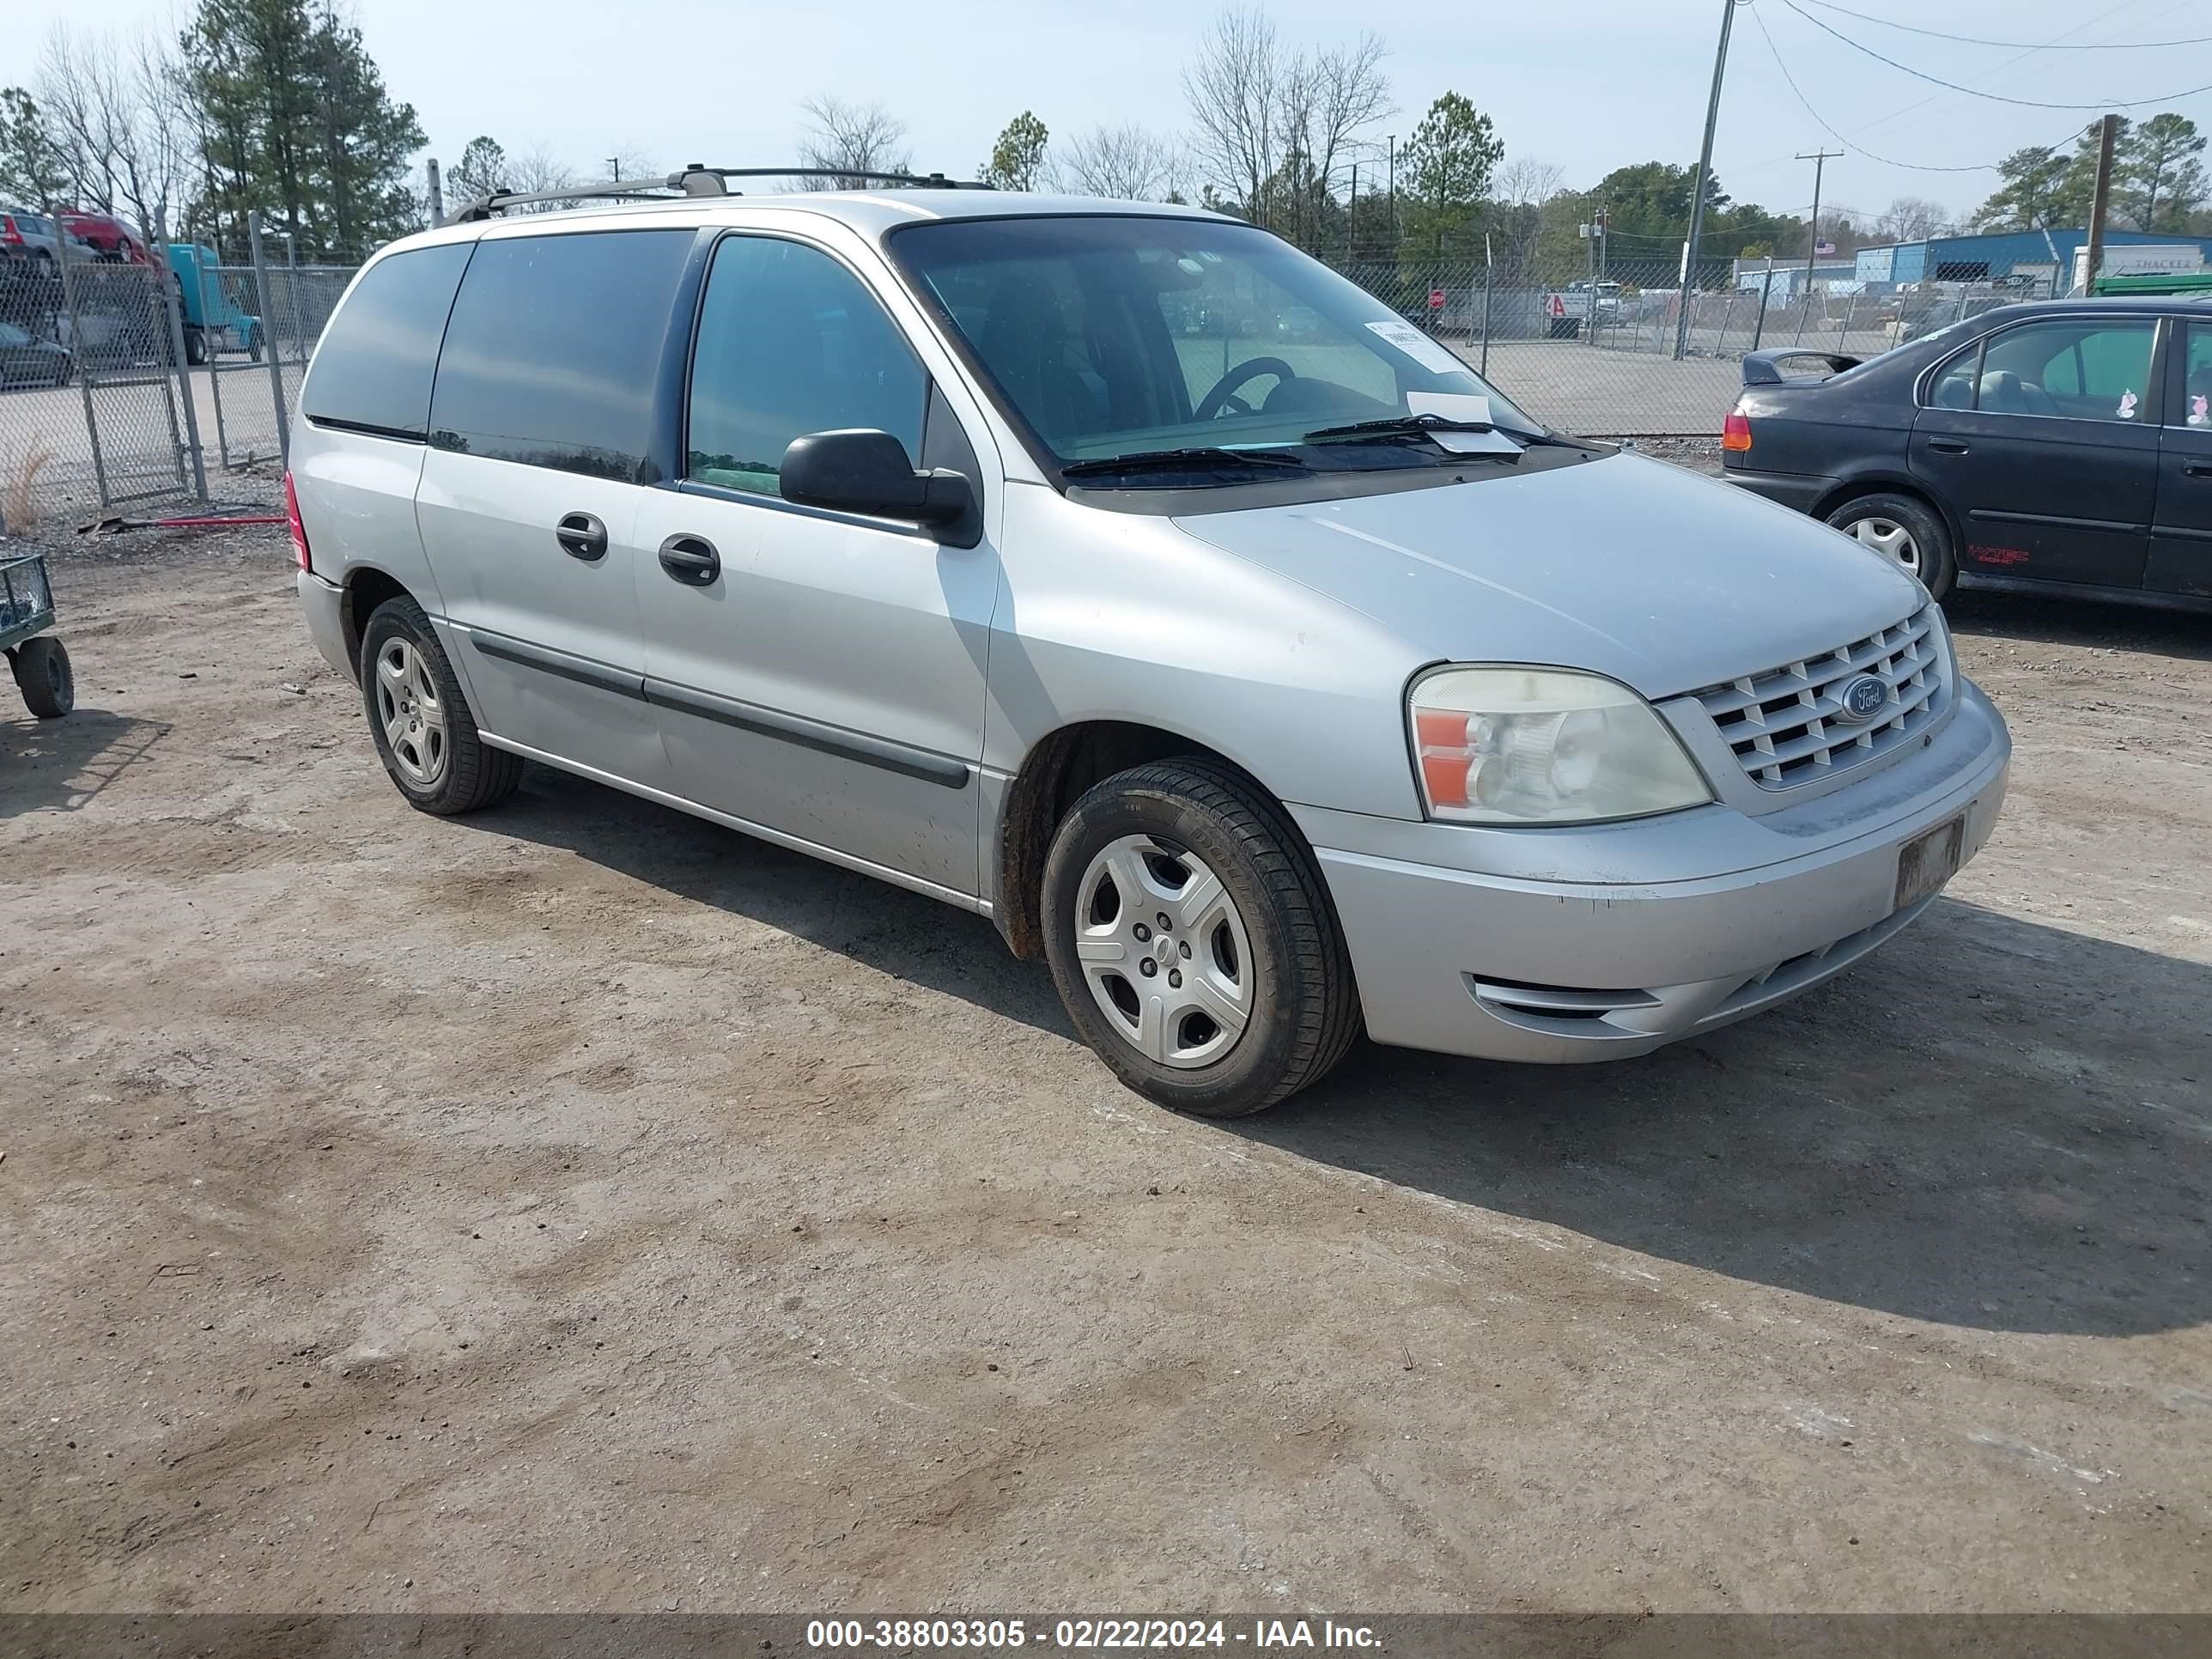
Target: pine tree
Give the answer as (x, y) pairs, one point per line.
(294, 119)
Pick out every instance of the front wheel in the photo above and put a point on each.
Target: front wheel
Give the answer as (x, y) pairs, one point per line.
(423, 731)
(1905, 531)
(1192, 943)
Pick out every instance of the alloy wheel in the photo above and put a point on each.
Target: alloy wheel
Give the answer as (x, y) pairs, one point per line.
(414, 717)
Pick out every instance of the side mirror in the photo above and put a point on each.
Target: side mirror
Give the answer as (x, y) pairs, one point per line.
(860, 469)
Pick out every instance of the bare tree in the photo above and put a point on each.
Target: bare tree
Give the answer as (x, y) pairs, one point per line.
(1234, 90)
(627, 162)
(1527, 182)
(1340, 91)
(1277, 126)
(865, 137)
(1523, 189)
(1126, 162)
(1913, 219)
(115, 121)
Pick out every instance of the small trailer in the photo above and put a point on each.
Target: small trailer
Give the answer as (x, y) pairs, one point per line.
(40, 662)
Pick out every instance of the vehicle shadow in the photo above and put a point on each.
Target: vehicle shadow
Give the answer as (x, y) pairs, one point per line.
(1993, 1123)
(906, 935)
(2055, 619)
(59, 765)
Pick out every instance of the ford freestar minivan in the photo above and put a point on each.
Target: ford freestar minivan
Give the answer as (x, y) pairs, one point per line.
(1267, 681)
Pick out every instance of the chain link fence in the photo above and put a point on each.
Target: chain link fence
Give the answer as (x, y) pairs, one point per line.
(1606, 349)
(125, 384)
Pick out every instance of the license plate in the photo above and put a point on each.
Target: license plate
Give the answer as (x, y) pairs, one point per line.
(1928, 860)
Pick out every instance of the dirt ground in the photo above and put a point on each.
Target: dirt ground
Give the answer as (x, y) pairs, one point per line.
(579, 1205)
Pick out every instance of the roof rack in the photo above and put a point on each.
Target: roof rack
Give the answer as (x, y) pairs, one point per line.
(694, 180)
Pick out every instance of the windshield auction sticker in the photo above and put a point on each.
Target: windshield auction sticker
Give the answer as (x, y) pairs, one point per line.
(1419, 347)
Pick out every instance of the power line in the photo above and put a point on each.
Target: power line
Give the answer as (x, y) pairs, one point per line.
(1976, 40)
(1831, 130)
(1994, 97)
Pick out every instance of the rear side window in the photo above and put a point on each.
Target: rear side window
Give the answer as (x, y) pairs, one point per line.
(553, 350)
(372, 372)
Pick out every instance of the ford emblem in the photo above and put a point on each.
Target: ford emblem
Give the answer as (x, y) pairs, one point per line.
(1862, 699)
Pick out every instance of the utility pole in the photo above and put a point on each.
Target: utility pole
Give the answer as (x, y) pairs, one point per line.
(2099, 201)
(437, 195)
(1697, 183)
(1393, 195)
(1819, 159)
(614, 168)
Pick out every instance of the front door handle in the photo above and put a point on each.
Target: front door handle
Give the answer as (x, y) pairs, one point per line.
(2196, 469)
(1947, 445)
(581, 535)
(690, 559)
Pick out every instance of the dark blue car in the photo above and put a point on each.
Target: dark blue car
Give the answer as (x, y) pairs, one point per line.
(2062, 446)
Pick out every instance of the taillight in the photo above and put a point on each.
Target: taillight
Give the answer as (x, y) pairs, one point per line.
(1736, 432)
(8, 234)
(292, 522)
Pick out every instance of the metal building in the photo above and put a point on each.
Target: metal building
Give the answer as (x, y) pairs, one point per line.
(2044, 258)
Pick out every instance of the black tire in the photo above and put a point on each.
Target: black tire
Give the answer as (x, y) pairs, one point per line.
(1305, 1006)
(253, 351)
(44, 676)
(1939, 566)
(196, 352)
(473, 773)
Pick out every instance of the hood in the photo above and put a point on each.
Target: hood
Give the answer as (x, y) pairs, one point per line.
(1628, 568)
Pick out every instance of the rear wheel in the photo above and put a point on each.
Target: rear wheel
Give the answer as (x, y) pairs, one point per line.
(423, 731)
(195, 347)
(1192, 943)
(1905, 531)
(44, 676)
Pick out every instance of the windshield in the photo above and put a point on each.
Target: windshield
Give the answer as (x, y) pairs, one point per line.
(1111, 337)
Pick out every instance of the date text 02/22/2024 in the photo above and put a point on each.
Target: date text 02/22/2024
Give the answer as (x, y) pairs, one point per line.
(1083, 1635)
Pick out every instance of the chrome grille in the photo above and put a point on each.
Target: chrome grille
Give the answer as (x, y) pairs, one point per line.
(1785, 726)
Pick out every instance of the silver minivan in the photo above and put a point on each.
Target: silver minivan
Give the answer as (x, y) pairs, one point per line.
(1120, 573)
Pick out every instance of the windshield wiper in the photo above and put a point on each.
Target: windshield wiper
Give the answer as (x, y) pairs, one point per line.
(1206, 457)
(1415, 426)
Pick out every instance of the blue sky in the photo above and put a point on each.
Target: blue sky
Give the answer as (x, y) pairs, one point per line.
(1588, 84)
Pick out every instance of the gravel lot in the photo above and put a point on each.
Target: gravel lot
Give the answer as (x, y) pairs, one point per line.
(579, 1205)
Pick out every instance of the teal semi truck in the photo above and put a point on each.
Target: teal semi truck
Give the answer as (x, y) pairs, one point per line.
(213, 325)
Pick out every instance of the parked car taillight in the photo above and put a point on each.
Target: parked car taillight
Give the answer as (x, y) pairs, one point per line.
(8, 234)
(292, 522)
(1736, 431)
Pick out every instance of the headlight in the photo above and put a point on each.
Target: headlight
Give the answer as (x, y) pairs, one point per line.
(1544, 745)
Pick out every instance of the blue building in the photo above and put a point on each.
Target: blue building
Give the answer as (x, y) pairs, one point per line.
(2043, 256)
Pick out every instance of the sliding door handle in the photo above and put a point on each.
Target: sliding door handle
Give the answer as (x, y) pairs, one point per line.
(581, 535)
(690, 559)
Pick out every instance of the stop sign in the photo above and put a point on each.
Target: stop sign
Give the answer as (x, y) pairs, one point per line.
(1436, 298)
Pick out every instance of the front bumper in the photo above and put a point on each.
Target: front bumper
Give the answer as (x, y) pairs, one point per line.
(1466, 960)
(1798, 491)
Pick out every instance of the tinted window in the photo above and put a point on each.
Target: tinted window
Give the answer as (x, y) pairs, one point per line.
(373, 369)
(2086, 371)
(554, 347)
(1955, 387)
(790, 342)
(2196, 377)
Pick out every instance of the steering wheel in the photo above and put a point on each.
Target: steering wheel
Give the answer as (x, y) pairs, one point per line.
(1216, 403)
